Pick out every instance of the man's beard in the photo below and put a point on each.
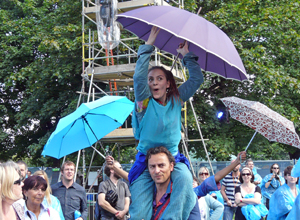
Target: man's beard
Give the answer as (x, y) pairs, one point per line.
(116, 176)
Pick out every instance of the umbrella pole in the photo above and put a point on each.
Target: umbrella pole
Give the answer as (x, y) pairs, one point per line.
(251, 140)
(59, 176)
(77, 164)
(98, 152)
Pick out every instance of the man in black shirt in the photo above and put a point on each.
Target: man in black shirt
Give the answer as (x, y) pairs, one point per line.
(71, 195)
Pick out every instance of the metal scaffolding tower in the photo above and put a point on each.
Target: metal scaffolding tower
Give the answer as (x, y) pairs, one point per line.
(111, 72)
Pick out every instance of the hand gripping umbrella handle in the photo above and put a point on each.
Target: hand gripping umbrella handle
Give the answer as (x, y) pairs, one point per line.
(176, 57)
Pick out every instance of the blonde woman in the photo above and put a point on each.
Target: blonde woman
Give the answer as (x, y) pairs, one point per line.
(247, 187)
(11, 191)
(203, 174)
(50, 200)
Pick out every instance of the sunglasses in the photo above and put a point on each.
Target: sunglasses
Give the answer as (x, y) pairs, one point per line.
(275, 168)
(200, 174)
(246, 174)
(18, 182)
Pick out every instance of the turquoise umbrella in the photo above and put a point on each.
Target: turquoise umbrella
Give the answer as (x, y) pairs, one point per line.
(88, 124)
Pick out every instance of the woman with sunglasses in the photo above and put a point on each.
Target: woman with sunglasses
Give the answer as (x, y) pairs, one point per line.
(49, 199)
(247, 187)
(34, 190)
(284, 197)
(203, 174)
(11, 191)
(271, 182)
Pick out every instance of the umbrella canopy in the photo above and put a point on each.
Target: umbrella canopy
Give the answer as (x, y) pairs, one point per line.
(88, 124)
(215, 50)
(259, 117)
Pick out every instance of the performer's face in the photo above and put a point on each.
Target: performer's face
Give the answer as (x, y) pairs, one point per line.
(160, 168)
(158, 84)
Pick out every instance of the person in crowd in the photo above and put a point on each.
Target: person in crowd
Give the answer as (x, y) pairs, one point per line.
(229, 183)
(11, 191)
(160, 165)
(34, 190)
(156, 122)
(271, 183)
(210, 184)
(257, 177)
(23, 169)
(203, 174)
(119, 208)
(207, 204)
(295, 212)
(72, 196)
(29, 173)
(50, 200)
(284, 197)
(247, 187)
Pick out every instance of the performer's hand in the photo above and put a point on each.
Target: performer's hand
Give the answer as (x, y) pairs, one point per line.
(241, 157)
(109, 161)
(153, 34)
(183, 48)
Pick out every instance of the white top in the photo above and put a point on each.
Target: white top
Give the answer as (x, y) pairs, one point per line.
(46, 213)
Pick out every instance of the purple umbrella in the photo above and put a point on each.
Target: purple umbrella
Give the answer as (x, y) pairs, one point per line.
(216, 52)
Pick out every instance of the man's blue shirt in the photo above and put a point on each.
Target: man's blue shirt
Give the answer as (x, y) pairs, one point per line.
(163, 204)
(71, 199)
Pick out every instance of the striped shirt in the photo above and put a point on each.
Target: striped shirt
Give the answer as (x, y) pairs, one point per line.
(230, 183)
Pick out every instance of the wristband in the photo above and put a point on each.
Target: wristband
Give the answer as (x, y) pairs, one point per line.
(269, 180)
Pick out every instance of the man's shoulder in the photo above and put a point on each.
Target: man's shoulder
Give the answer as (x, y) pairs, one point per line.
(78, 187)
(56, 185)
(228, 177)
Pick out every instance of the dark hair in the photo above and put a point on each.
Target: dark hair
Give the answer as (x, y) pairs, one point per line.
(157, 150)
(21, 162)
(241, 178)
(172, 91)
(272, 168)
(288, 171)
(107, 169)
(35, 181)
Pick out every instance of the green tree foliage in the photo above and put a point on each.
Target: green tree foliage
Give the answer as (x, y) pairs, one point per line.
(266, 34)
(40, 67)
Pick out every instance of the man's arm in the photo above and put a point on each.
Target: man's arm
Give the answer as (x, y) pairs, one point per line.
(222, 173)
(110, 163)
(83, 206)
(226, 200)
(122, 213)
(105, 205)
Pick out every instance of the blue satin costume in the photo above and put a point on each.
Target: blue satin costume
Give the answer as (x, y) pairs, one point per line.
(281, 203)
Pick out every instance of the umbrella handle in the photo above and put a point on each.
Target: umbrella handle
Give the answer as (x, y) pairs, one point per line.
(176, 58)
(251, 140)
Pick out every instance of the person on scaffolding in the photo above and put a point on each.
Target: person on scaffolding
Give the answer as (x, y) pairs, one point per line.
(156, 122)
